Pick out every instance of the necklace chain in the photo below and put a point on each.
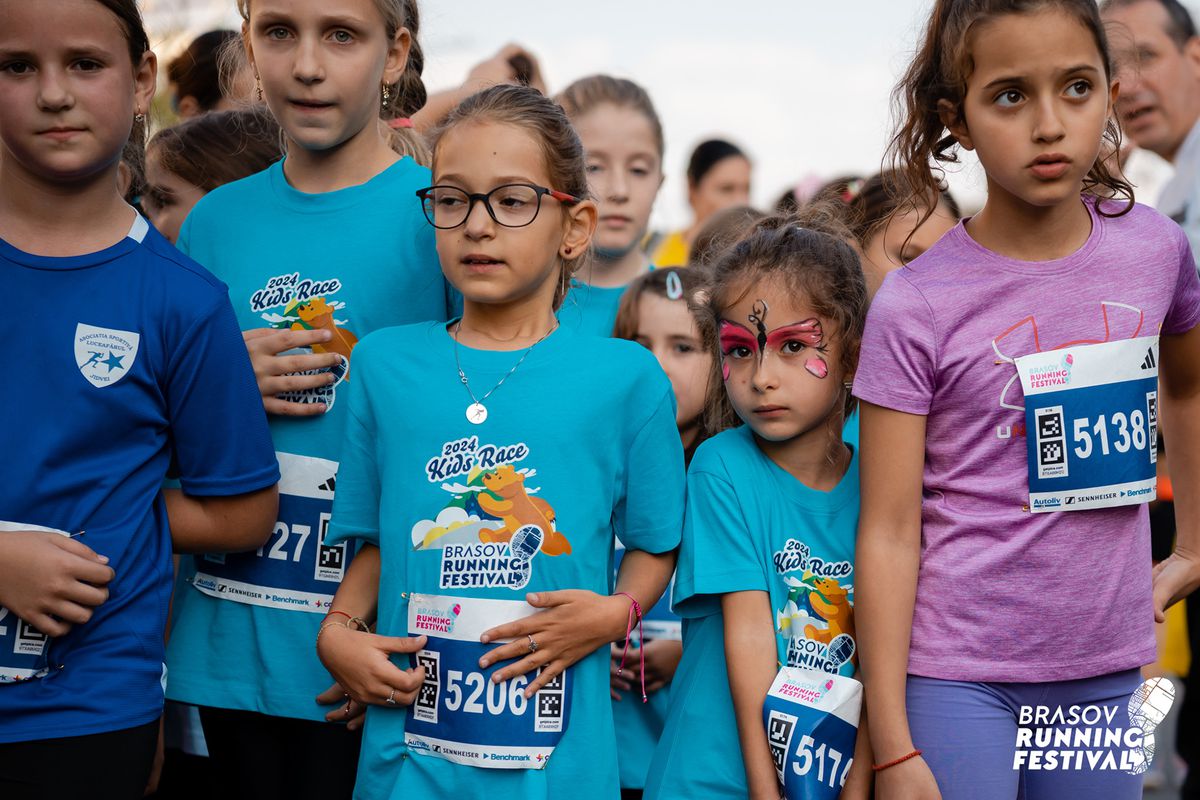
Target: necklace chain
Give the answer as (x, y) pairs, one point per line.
(462, 376)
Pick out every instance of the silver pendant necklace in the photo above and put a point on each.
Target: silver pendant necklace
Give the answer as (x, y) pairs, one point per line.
(477, 412)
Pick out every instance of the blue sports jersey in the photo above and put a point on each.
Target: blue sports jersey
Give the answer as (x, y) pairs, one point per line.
(135, 356)
(751, 526)
(579, 446)
(348, 261)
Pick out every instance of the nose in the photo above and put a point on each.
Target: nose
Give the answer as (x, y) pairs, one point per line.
(307, 68)
(618, 186)
(1048, 125)
(479, 223)
(765, 377)
(53, 92)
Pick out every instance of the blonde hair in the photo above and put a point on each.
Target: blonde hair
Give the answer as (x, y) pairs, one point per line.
(407, 95)
(545, 121)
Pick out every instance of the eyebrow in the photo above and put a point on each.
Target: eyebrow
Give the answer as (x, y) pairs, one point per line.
(501, 181)
(272, 16)
(1009, 80)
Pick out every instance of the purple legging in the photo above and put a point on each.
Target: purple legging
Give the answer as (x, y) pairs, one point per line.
(968, 732)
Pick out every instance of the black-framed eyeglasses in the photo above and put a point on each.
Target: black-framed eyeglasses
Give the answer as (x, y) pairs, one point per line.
(513, 205)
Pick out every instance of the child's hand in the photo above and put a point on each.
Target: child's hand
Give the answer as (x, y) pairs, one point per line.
(662, 659)
(349, 710)
(911, 780)
(359, 662)
(575, 624)
(275, 373)
(1174, 579)
(51, 581)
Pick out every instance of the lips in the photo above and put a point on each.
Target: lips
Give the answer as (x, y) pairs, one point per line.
(769, 410)
(478, 262)
(1050, 166)
(615, 220)
(61, 133)
(309, 105)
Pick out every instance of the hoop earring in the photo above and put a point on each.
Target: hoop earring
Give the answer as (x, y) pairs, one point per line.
(387, 96)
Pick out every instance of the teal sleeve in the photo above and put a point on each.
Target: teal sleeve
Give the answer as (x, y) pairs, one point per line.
(719, 553)
(356, 502)
(649, 514)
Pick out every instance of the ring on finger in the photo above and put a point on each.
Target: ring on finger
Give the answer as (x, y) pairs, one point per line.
(533, 646)
(391, 698)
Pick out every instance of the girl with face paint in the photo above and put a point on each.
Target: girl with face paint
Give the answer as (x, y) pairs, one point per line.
(766, 569)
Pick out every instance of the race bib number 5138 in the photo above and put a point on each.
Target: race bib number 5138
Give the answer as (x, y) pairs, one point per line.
(1091, 413)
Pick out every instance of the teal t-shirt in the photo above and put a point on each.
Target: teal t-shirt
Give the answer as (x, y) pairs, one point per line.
(349, 261)
(579, 446)
(590, 309)
(751, 526)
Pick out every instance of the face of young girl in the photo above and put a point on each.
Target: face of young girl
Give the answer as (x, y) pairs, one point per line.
(321, 65)
(724, 186)
(487, 262)
(900, 241)
(68, 88)
(666, 328)
(780, 362)
(1036, 105)
(624, 173)
(169, 198)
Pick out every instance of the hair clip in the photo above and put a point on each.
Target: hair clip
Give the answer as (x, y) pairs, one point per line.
(400, 122)
(674, 286)
(852, 190)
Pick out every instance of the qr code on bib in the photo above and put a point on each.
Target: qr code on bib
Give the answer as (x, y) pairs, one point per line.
(779, 736)
(426, 706)
(550, 699)
(1051, 445)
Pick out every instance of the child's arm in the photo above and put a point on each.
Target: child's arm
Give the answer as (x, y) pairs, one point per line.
(220, 524)
(1179, 387)
(576, 622)
(887, 558)
(358, 660)
(858, 780)
(51, 581)
(750, 659)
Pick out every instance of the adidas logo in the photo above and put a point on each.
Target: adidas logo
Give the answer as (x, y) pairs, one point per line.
(1150, 362)
(328, 485)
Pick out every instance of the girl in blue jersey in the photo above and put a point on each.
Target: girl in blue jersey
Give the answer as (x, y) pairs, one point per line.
(655, 313)
(319, 250)
(623, 143)
(128, 357)
(766, 569)
(487, 497)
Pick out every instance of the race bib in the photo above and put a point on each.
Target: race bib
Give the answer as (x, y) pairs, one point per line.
(460, 714)
(1091, 416)
(295, 570)
(812, 726)
(22, 646)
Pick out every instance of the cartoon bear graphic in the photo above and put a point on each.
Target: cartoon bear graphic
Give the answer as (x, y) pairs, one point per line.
(317, 314)
(832, 603)
(516, 509)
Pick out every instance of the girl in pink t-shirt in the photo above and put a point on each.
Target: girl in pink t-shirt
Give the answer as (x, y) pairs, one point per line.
(1010, 381)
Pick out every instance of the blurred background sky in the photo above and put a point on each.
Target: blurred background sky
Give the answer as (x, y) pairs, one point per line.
(803, 85)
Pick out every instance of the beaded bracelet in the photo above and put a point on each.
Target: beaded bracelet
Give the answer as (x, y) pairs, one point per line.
(325, 625)
(900, 760)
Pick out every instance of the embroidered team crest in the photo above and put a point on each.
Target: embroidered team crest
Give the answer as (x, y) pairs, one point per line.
(104, 355)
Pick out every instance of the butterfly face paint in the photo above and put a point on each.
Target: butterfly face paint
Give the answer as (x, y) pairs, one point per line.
(809, 334)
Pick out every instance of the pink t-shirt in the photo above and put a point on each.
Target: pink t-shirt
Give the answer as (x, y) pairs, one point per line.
(1004, 595)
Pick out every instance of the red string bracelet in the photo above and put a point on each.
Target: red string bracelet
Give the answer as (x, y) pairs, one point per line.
(900, 760)
(635, 608)
(343, 613)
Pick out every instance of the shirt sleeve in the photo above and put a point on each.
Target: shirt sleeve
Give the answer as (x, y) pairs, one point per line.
(1184, 311)
(719, 553)
(649, 513)
(356, 502)
(898, 361)
(211, 389)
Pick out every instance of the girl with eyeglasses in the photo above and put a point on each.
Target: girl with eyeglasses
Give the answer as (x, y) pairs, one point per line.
(487, 497)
